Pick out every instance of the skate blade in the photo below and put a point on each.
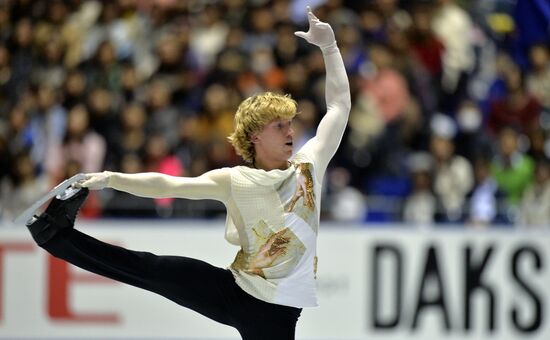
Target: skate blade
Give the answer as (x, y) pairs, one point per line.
(67, 193)
(60, 191)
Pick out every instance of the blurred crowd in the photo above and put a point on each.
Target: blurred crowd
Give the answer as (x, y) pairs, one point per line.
(449, 124)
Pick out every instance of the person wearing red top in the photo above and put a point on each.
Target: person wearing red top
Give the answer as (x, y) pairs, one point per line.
(518, 108)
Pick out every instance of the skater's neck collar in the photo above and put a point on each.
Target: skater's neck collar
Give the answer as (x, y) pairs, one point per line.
(263, 177)
(283, 167)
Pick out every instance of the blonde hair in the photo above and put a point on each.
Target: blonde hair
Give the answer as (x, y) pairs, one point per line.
(253, 114)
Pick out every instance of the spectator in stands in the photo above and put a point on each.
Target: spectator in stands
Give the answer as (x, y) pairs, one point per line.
(192, 149)
(99, 21)
(23, 187)
(53, 19)
(50, 69)
(286, 49)
(174, 57)
(535, 204)
(163, 117)
(517, 107)
(347, 204)
(105, 70)
(420, 206)
(8, 94)
(538, 143)
(371, 23)
(132, 87)
(231, 61)
(208, 35)
(131, 35)
(493, 74)
(425, 46)
(132, 136)
(511, 168)
(80, 144)
(74, 89)
(385, 86)
(16, 131)
(472, 140)
(305, 123)
(103, 113)
(261, 28)
(453, 26)
(5, 22)
(261, 73)
(296, 75)
(47, 125)
(21, 48)
(215, 122)
(484, 199)
(538, 77)
(346, 23)
(422, 85)
(390, 11)
(77, 32)
(453, 175)
(382, 99)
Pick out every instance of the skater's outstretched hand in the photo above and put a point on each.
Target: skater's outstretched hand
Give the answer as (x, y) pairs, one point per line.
(319, 33)
(94, 181)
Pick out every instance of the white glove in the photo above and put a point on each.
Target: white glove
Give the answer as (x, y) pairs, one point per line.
(95, 181)
(319, 33)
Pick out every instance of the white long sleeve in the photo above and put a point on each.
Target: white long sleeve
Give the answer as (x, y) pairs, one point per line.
(324, 144)
(214, 185)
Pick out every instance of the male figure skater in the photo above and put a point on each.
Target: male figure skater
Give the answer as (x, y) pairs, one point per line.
(272, 214)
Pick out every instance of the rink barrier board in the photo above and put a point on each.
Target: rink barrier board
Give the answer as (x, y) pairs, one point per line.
(374, 282)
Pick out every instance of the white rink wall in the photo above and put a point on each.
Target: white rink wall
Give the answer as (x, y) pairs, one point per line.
(385, 283)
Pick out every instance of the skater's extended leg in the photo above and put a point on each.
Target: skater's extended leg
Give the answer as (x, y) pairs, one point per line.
(191, 283)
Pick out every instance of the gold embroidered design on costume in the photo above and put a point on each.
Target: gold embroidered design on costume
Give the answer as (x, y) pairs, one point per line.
(269, 252)
(276, 254)
(315, 260)
(304, 187)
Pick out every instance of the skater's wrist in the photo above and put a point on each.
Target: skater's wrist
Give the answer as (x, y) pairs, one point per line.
(330, 48)
(109, 176)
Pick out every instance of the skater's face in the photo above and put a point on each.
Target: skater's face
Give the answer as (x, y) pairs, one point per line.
(273, 144)
(256, 116)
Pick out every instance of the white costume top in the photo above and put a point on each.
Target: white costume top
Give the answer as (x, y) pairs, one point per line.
(276, 218)
(272, 215)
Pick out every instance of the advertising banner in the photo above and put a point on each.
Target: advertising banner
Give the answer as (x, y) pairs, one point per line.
(387, 283)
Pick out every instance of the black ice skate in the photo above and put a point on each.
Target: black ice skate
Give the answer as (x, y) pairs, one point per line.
(60, 214)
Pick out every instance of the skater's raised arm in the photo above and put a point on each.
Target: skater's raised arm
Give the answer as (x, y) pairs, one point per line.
(211, 185)
(337, 94)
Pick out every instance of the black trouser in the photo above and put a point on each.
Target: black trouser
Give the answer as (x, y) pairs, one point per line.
(191, 283)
